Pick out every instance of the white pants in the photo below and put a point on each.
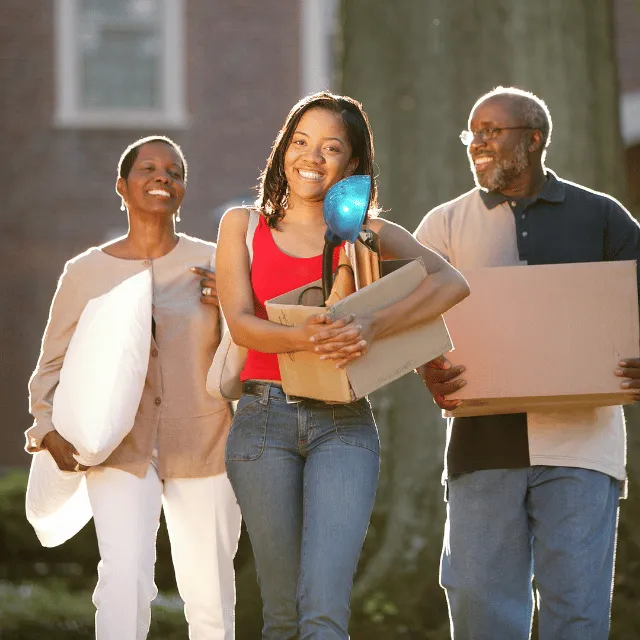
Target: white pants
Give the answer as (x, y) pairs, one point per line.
(203, 520)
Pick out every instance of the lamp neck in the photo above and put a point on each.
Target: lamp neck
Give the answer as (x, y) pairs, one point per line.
(332, 239)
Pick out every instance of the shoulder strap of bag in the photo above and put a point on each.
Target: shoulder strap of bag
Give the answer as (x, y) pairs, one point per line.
(223, 378)
(254, 218)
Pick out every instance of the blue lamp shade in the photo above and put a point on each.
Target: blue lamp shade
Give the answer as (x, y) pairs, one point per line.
(345, 207)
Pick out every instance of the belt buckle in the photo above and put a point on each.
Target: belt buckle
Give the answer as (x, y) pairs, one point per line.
(292, 399)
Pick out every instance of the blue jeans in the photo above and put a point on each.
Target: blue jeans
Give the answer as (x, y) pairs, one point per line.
(305, 476)
(504, 526)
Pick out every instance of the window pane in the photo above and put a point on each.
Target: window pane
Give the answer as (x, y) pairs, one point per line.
(137, 10)
(120, 54)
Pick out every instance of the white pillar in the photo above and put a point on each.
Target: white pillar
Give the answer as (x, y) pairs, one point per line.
(317, 26)
(630, 118)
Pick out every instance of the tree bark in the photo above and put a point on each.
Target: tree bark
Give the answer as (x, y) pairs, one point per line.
(418, 66)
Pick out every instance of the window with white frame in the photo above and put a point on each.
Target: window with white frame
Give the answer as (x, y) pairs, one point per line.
(120, 63)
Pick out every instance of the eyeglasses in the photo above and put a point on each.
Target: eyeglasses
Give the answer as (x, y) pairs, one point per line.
(467, 137)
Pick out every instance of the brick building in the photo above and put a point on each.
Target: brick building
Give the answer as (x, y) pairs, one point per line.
(82, 79)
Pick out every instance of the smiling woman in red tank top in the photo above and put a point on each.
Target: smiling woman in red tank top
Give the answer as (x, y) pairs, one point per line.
(305, 472)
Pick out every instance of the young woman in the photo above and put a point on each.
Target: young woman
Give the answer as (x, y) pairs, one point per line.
(305, 473)
(174, 455)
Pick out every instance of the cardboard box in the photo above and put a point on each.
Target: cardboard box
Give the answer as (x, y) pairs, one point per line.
(544, 337)
(304, 374)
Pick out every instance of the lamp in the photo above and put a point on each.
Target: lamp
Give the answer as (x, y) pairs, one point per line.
(344, 210)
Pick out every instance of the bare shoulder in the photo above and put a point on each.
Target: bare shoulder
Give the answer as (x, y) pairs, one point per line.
(397, 243)
(232, 235)
(235, 221)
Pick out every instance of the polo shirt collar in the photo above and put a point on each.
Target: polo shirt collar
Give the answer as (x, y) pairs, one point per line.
(552, 191)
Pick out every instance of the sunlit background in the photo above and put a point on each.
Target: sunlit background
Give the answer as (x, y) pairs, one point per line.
(81, 79)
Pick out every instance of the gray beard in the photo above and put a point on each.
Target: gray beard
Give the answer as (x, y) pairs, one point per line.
(503, 172)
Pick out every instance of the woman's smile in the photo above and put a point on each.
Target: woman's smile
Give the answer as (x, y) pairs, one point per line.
(314, 176)
(161, 193)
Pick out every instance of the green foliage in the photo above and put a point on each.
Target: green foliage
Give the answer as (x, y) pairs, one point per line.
(379, 607)
(23, 558)
(46, 593)
(33, 612)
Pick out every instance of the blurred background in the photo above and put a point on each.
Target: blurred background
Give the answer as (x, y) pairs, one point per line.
(81, 79)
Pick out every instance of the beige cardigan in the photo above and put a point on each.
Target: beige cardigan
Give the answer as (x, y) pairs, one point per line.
(188, 427)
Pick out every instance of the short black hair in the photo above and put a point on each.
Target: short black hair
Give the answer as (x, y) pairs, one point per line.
(130, 154)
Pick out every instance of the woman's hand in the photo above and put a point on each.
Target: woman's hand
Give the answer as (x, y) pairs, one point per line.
(347, 343)
(209, 293)
(62, 452)
(319, 331)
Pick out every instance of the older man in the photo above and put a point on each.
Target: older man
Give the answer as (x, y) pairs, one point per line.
(526, 497)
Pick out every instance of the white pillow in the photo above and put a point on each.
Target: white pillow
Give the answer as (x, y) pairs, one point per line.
(57, 502)
(104, 370)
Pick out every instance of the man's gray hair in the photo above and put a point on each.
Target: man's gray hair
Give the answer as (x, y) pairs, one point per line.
(533, 110)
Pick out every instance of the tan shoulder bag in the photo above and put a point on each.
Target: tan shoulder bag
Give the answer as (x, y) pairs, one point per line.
(223, 379)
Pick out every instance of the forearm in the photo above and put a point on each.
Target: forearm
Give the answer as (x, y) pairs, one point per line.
(268, 337)
(42, 388)
(435, 295)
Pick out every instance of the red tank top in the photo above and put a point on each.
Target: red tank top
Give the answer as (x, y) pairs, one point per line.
(272, 274)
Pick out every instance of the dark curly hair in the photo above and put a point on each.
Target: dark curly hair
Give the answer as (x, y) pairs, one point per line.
(273, 186)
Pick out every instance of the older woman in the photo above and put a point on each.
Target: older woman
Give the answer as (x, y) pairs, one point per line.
(173, 458)
(305, 473)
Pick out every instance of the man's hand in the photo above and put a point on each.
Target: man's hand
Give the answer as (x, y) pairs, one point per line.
(62, 452)
(630, 369)
(441, 378)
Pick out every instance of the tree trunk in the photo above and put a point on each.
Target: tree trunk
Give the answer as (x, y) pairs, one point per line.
(418, 66)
